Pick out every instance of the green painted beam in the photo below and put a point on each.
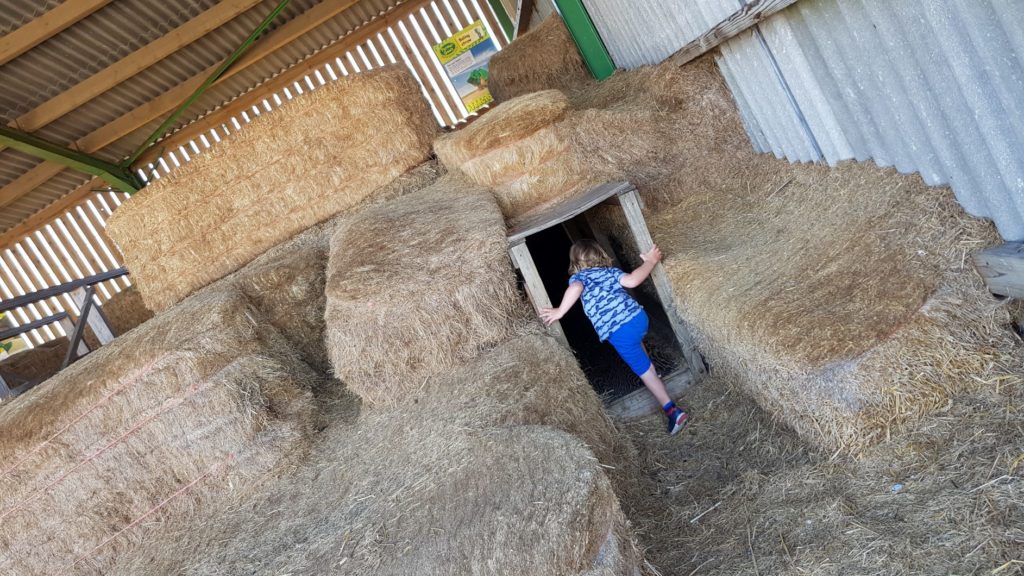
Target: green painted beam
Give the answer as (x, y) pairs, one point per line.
(587, 39)
(118, 177)
(503, 19)
(166, 124)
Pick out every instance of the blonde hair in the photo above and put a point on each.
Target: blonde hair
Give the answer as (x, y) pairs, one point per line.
(585, 254)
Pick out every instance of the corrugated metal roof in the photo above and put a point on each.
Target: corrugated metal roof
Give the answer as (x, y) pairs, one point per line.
(111, 33)
(932, 87)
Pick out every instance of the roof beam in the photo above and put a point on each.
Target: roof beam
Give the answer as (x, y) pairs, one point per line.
(46, 215)
(115, 175)
(49, 24)
(131, 65)
(737, 22)
(167, 101)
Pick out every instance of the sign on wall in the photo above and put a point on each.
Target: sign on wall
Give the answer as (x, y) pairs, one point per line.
(465, 56)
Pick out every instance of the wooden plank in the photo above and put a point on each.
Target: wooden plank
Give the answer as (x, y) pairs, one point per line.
(46, 215)
(1002, 268)
(131, 64)
(93, 315)
(566, 210)
(51, 23)
(24, 328)
(642, 403)
(634, 216)
(45, 293)
(535, 286)
(737, 22)
(524, 12)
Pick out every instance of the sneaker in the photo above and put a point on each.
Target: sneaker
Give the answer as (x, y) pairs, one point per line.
(677, 420)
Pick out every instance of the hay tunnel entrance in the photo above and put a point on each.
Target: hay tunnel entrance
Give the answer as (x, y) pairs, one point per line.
(606, 372)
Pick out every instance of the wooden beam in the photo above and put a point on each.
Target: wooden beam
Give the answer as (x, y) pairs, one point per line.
(737, 22)
(49, 24)
(1002, 268)
(524, 11)
(642, 403)
(630, 202)
(254, 97)
(131, 64)
(46, 215)
(535, 286)
(169, 100)
(95, 318)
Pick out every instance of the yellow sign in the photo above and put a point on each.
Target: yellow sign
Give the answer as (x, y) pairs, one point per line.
(465, 56)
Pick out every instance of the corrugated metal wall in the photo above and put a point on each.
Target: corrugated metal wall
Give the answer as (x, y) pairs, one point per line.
(935, 87)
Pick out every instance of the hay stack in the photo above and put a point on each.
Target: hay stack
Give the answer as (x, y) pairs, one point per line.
(320, 154)
(393, 495)
(202, 397)
(123, 311)
(545, 57)
(37, 363)
(523, 152)
(838, 296)
(415, 286)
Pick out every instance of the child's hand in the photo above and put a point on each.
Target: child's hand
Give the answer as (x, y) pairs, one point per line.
(550, 315)
(653, 255)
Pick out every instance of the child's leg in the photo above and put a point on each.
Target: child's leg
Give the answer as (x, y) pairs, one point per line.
(654, 384)
(628, 341)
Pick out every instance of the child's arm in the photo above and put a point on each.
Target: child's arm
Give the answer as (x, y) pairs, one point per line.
(637, 277)
(572, 294)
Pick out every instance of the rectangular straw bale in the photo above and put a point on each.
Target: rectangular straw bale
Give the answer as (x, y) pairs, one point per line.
(123, 311)
(36, 363)
(317, 155)
(409, 496)
(415, 286)
(838, 297)
(543, 58)
(202, 394)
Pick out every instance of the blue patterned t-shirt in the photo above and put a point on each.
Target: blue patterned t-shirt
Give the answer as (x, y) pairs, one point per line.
(605, 301)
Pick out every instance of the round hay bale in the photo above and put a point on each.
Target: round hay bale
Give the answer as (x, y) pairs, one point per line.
(415, 286)
(505, 124)
(543, 58)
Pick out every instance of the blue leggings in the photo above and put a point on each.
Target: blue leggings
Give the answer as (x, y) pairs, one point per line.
(628, 342)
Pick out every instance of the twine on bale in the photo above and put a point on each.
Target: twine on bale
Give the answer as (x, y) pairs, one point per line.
(131, 378)
(167, 406)
(215, 469)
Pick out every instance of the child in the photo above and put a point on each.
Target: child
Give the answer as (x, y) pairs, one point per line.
(616, 316)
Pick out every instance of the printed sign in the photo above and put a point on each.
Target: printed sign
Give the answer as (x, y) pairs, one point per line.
(465, 57)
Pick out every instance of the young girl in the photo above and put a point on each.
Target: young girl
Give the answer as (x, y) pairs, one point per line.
(616, 316)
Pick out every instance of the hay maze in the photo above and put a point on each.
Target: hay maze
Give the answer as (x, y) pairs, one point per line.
(851, 352)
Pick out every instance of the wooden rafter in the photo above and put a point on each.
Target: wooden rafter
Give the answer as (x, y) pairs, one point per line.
(737, 22)
(167, 101)
(46, 215)
(49, 24)
(131, 64)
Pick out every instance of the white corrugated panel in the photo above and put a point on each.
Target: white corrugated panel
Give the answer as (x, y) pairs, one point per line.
(933, 87)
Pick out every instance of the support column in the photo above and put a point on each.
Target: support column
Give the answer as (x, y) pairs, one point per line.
(589, 42)
(535, 286)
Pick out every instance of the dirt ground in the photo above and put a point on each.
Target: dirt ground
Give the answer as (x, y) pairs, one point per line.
(738, 493)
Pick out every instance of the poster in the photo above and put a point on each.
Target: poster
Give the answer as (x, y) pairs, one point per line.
(465, 56)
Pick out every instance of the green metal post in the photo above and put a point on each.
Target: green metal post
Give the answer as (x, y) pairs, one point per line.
(506, 23)
(587, 39)
(162, 129)
(121, 178)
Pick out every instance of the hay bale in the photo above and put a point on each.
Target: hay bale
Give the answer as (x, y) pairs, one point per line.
(523, 152)
(393, 495)
(123, 311)
(319, 154)
(415, 286)
(37, 363)
(201, 397)
(545, 57)
(847, 329)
